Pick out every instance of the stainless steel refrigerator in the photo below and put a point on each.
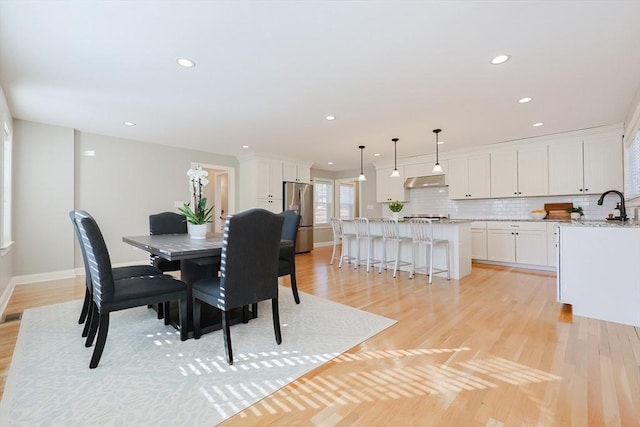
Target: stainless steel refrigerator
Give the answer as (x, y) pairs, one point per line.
(299, 197)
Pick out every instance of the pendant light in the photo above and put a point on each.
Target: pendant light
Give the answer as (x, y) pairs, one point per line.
(437, 168)
(361, 177)
(395, 173)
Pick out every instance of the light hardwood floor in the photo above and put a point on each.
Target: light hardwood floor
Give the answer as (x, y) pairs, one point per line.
(492, 349)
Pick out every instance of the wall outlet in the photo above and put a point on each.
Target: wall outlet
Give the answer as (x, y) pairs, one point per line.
(178, 204)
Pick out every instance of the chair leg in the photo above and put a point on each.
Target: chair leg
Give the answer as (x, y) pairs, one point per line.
(161, 313)
(100, 342)
(333, 253)
(226, 333)
(254, 310)
(344, 241)
(245, 314)
(276, 320)
(93, 327)
(413, 261)
(184, 333)
(85, 307)
(395, 265)
(166, 312)
(294, 286)
(196, 319)
(384, 257)
(88, 320)
(431, 263)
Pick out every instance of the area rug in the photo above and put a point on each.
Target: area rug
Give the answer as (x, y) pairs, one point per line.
(147, 376)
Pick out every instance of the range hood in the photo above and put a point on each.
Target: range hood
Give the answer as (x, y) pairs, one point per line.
(425, 181)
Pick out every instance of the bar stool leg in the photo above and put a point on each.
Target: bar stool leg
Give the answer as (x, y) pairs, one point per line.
(395, 265)
(431, 263)
(448, 266)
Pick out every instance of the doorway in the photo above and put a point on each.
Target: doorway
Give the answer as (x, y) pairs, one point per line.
(220, 191)
(347, 198)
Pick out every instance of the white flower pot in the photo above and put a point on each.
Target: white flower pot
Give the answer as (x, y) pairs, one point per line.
(197, 231)
(575, 215)
(395, 215)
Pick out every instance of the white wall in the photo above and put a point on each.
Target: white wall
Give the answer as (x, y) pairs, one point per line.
(43, 196)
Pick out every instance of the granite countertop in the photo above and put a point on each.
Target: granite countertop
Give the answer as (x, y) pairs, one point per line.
(609, 224)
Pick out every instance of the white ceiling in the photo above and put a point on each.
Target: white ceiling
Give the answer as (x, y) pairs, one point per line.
(268, 72)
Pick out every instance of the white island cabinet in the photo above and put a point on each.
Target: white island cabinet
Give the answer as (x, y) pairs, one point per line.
(457, 232)
(599, 272)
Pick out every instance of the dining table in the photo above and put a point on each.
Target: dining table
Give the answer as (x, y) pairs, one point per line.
(199, 259)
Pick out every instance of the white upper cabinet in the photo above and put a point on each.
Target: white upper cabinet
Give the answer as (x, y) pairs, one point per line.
(470, 177)
(589, 165)
(294, 172)
(519, 172)
(261, 184)
(388, 188)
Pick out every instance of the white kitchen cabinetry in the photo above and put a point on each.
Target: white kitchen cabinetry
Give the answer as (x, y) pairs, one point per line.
(519, 172)
(388, 188)
(589, 165)
(517, 242)
(294, 172)
(479, 240)
(469, 177)
(261, 184)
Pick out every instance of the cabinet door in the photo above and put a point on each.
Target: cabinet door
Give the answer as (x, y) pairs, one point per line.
(552, 244)
(389, 188)
(504, 173)
(304, 174)
(603, 162)
(273, 205)
(289, 172)
(531, 247)
(478, 244)
(269, 179)
(533, 176)
(501, 245)
(565, 167)
(458, 179)
(479, 178)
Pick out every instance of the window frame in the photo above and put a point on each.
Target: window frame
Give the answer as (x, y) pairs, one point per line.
(329, 203)
(6, 224)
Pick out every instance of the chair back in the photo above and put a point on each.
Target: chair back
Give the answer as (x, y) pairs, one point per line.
(421, 229)
(338, 228)
(362, 227)
(76, 229)
(390, 228)
(290, 225)
(250, 251)
(167, 223)
(97, 258)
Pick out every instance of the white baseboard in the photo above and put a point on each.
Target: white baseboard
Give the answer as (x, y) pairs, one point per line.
(44, 277)
(322, 244)
(4, 298)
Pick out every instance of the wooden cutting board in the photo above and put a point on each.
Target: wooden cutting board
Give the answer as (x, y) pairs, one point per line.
(558, 210)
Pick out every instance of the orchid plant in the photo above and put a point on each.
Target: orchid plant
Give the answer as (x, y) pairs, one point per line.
(200, 214)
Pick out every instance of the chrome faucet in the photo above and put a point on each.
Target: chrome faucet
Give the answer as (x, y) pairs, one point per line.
(620, 205)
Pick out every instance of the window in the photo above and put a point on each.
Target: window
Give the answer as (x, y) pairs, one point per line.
(632, 186)
(323, 202)
(5, 229)
(347, 200)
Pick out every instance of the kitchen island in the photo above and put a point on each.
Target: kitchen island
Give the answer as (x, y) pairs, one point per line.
(598, 270)
(457, 232)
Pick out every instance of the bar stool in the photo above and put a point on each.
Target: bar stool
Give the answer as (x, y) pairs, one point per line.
(343, 239)
(391, 237)
(422, 235)
(363, 235)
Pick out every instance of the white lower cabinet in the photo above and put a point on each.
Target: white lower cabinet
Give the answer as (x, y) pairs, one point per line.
(479, 240)
(517, 242)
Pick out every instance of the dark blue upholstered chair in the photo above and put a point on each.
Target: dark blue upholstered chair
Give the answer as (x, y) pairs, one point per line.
(287, 259)
(110, 294)
(248, 272)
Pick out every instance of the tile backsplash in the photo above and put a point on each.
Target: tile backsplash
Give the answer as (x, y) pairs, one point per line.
(436, 201)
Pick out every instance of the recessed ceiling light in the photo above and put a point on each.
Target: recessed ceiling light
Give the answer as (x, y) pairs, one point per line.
(245, 146)
(440, 142)
(329, 163)
(500, 59)
(376, 155)
(525, 100)
(331, 118)
(129, 124)
(186, 63)
(537, 125)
